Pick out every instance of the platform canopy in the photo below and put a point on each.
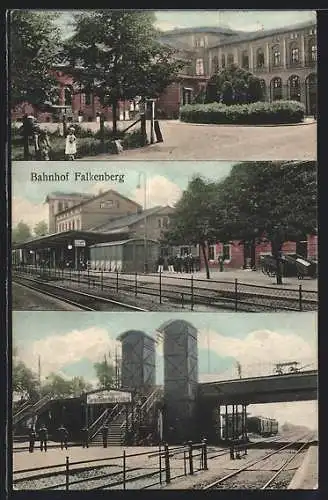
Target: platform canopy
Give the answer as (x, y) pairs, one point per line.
(67, 237)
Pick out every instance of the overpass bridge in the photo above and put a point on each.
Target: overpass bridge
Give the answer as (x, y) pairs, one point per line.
(301, 386)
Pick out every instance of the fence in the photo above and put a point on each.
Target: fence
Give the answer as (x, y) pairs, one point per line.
(194, 457)
(187, 292)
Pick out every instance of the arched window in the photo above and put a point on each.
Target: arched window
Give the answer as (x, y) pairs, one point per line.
(215, 64)
(276, 88)
(199, 67)
(223, 60)
(294, 86)
(259, 58)
(68, 96)
(294, 54)
(313, 56)
(245, 60)
(276, 60)
(230, 59)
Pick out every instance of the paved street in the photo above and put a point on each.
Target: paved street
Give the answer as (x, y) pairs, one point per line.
(186, 141)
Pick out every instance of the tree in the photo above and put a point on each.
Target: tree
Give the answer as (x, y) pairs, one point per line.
(21, 232)
(270, 201)
(35, 42)
(105, 372)
(24, 379)
(57, 386)
(116, 54)
(41, 228)
(193, 217)
(234, 85)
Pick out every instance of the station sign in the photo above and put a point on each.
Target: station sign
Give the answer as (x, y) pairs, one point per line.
(79, 243)
(109, 396)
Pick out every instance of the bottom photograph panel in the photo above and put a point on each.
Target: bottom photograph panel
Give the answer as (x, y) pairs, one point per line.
(178, 401)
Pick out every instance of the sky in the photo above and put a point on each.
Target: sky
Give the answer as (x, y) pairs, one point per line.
(69, 344)
(165, 182)
(244, 20)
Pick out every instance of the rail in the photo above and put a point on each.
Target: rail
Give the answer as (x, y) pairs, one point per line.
(31, 408)
(194, 460)
(187, 291)
(103, 418)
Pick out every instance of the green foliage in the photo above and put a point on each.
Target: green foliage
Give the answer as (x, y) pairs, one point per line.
(233, 85)
(35, 42)
(259, 113)
(21, 232)
(41, 228)
(105, 372)
(23, 379)
(57, 386)
(116, 54)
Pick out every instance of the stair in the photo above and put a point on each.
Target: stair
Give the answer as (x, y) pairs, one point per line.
(115, 433)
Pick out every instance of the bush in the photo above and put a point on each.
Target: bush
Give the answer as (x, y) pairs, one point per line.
(257, 113)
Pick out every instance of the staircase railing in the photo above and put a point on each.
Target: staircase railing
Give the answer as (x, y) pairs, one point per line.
(145, 407)
(31, 408)
(21, 411)
(104, 418)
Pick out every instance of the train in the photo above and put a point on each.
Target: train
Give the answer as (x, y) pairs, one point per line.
(262, 426)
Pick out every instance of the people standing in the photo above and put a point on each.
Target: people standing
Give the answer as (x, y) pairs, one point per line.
(170, 262)
(32, 438)
(44, 145)
(104, 432)
(185, 261)
(178, 263)
(160, 264)
(85, 437)
(63, 436)
(70, 149)
(220, 261)
(43, 435)
(191, 263)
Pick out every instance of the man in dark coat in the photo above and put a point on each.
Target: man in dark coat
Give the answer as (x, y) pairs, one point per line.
(85, 437)
(178, 263)
(43, 435)
(32, 438)
(63, 436)
(104, 432)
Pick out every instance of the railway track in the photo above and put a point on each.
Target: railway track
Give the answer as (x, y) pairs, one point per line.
(81, 300)
(247, 477)
(259, 298)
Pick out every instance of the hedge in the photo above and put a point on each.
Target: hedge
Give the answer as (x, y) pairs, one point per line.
(257, 113)
(86, 146)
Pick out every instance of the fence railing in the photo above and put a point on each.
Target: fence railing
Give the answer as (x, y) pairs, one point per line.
(194, 457)
(186, 291)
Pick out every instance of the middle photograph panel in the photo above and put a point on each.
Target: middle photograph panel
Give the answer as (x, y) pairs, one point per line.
(164, 236)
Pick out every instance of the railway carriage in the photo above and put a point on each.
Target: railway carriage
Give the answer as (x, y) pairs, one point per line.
(262, 426)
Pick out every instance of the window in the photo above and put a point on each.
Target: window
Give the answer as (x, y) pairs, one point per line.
(294, 55)
(200, 42)
(159, 221)
(60, 206)
(313, 53)
(106, 204)
(73, 224)
(165, 222)
(117, 204)
(230, 59)
(276, 56)
(245, 60)
(211, 252)
(88, 99)
(259, 58)
(276, 88)
(199, 67)
(294, 84)
(226, 251)
(294, 36)
(223, 61)
(215, 64)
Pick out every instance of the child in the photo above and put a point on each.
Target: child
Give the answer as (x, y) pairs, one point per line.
(70, 149)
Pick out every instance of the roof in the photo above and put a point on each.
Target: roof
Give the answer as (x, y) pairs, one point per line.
(66, 237)
(120, 242)
(123, 335)
(96, 197)
(60, 194)
(255, 35)
(129, 220)
(220, 30)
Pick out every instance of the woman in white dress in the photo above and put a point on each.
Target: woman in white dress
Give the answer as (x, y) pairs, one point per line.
(70, 149)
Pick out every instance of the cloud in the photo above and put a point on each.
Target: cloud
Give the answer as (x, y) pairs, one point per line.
(259, 350)
(298, 413)
(58, 351)
(160, 191)
(28, 212)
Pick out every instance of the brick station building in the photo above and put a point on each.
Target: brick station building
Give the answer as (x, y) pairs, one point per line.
(284, 59)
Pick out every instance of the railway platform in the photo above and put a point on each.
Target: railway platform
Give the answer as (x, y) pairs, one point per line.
(306, 477)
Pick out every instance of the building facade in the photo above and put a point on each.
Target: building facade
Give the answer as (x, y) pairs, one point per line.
(284, 59)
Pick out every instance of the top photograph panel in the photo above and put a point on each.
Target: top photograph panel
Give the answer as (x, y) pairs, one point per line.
(163, 85)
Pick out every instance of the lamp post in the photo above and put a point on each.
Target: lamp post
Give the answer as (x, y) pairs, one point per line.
(143, 174)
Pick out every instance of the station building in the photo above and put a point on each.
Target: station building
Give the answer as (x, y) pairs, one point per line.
(285, 60)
